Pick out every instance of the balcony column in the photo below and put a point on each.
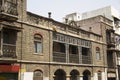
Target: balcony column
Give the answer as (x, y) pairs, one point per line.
(80, 55)
(114, 59)
(1, 39)
(2, 7)
(67, 53)
(91, 56)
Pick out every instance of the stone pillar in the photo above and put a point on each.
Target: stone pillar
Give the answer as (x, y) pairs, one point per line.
(80, 55)
(67, 53)
(95, 76)
(53, 77)
(114, 59)
(81, 77)
(91, 78)
(67, 77)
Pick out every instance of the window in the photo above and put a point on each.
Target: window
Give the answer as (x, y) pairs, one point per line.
(73, 49)
(58, 47)
(99, 76)
(9, 36)
(85, 51)
(98, 57)
(38, 43)
(38, 75)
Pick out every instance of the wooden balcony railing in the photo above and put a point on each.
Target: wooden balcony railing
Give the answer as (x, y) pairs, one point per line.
(8, 10)
(59, 57)
(111, 40)
(9, 7)
(86, 60)
(9, 50)
(73, 58)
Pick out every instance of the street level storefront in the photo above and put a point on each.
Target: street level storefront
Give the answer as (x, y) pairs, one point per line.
(9, 72)
(111, 76)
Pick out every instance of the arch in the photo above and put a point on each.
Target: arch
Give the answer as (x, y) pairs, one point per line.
(38, 70)
(86, 75)
(60, 75)
(38, 75)
(74, 74)
(97, 49)
(38, 36)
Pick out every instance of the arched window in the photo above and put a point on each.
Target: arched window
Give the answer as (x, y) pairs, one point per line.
(38, 75)
(38, 43)
(74, 75)
(60, 75)
(86, 75)
(98, 56)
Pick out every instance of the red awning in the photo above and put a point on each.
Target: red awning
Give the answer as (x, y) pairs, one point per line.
(9, 68)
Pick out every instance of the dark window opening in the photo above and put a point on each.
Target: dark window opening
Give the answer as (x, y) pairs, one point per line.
(85, 51)
(110, 59)
(60, 75)
(9, 42)
(9, 36)
(74, 75)
(108, 36)
(58, 47)
(86, 75)
(73, 49)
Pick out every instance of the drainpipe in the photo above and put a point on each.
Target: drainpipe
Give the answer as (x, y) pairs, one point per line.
(21, 40)
(49, 16)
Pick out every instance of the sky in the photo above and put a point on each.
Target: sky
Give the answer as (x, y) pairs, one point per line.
(59, 8)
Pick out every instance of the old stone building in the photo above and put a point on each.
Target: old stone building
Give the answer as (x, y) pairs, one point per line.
(114, 15)
(34, 47)
(104, 28)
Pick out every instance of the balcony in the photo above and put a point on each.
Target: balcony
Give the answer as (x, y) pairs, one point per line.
(111, 42)
(73, 58)
(59, 57)
(110, 38)
(86, 60)
(8, 10)
(8, 43)
(67, 53)
(9, 50)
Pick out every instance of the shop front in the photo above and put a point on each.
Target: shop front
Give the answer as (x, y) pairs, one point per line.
(9, 72)
(111, 76)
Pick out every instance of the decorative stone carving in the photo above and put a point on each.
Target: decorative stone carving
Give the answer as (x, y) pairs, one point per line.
(35, 20)
(70, 40)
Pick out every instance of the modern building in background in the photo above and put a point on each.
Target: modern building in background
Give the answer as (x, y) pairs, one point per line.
(34, 47)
